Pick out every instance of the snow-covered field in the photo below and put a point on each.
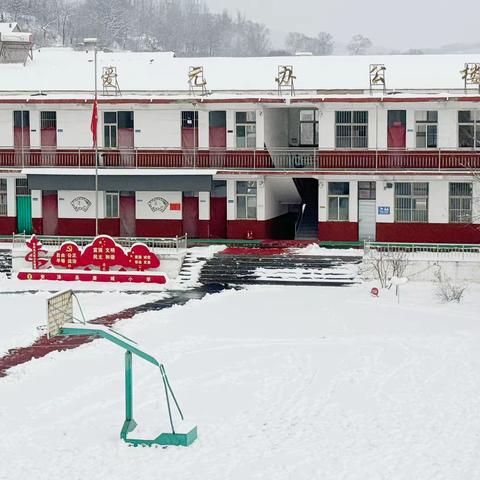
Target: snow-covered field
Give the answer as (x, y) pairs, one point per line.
(283, 383)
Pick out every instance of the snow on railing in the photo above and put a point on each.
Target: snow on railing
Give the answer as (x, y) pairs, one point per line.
(179, 244)
(427, 250)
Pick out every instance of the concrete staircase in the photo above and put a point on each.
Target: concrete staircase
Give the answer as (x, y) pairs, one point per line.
(280, 270)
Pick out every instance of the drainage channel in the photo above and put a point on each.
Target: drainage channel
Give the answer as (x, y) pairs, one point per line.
(43, 345)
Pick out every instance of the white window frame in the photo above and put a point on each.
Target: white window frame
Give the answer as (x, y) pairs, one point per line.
(250, 130)
(428, 129)
(338, 198)
(247, 198)
(310, 122)
(3, 197)
(110, 126)
(408, 204)
(109, 212)
(351, 125)
(475, 123)
(464, 198)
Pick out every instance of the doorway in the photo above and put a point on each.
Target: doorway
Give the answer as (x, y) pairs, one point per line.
(367, 211)
(24, 206)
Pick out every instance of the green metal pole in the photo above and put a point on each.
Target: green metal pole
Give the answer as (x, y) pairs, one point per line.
(128, 387)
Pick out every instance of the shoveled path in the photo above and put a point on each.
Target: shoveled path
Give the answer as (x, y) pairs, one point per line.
(43, 345)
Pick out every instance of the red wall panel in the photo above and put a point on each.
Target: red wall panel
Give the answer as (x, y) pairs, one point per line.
(76, 227)
(50, 214)
(279, 228)
(109, 226)
(204, 229)
(190, 216)
(218, 217)
(159, 228)
(428, 232)
(338, 231)
(8, 225)
(37, 225)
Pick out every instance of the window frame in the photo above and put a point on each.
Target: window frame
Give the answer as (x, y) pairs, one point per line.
(246, 196)
(353, 126)
(474, 124)
(246, 125)
(110, 126)
(338, 198)
(428, 125)
(313, 123)
(410, 214)
(457, 215)
(3, 197)
(109, 207)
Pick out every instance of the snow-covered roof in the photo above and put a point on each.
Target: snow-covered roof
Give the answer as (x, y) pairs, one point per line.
(65, 70)
(8, 27)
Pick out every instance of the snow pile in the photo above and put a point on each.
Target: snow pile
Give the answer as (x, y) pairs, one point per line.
(315, 249)
(283, 383)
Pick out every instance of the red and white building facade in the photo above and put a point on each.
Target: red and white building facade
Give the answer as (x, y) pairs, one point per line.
(334, 160)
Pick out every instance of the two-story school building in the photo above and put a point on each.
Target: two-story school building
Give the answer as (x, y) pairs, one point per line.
(330, 156)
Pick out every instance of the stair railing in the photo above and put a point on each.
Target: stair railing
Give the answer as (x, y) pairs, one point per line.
(300, 218)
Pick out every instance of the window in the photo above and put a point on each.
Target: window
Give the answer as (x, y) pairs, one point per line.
(110, 129)
(3, 197)
(460, 203)
(247, 200)
(338, 200)
(246, 129)
(21, 119)
(111, 204)
(308, 128)
(190, 119)
(48, 120)
(351, 129)
(426, 129)
(411, 202)
(21, 186)
(469, 128)
(367, 190)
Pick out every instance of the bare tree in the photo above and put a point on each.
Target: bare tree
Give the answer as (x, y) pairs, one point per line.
(359, 45)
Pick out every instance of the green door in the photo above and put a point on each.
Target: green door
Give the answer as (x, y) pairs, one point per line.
(24, 214)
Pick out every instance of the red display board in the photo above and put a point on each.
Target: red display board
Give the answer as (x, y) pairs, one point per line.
(72, 263)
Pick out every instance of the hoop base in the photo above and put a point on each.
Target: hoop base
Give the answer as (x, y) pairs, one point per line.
(164, 439)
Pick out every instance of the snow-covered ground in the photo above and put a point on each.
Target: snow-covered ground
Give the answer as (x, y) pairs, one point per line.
(283, 383)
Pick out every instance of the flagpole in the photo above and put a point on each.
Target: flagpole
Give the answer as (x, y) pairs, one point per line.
(94, 125)
(96, 146)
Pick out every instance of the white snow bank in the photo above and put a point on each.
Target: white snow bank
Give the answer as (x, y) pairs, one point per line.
(282, 382)
(315, 249)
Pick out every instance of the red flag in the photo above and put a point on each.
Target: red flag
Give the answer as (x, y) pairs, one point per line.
(94, 122)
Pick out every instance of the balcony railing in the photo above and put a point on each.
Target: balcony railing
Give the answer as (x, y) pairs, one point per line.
(279, 159)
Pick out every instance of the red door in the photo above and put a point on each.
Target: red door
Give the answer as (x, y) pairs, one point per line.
(50, 213)
(190, 216)
(218, 217)
(127, 215)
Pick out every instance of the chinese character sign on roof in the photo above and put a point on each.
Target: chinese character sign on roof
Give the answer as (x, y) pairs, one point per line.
(471, 74)
(110, 81)
(197, 81)
(377, 76)
(285, 78)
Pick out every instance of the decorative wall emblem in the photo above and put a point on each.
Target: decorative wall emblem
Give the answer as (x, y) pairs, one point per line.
(378, 76)
(158, 204)
(81, 204)
(471, 74)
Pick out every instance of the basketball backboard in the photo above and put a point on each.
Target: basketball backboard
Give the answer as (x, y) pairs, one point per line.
(59, 312)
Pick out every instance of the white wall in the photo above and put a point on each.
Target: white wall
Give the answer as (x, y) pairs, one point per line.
(279, 192)
(326, 128)
(35, 128)
(36, 196)
(276, 124)
(438, 200)
(204, 205)
(476, 202)
(11, 197)
(66, 209)
(231, 213)
(260, 117)
(6, 128)
(385, 198)
(353, 202)
(158, 128)
(144, 211)
(322, 200)
(73, 128)
(203, 129)
(447, 128)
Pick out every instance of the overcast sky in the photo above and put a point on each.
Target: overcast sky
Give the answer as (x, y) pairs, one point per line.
(403, 24)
